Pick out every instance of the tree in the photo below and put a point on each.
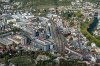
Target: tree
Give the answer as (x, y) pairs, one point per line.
(71, 24)
(56, 3)
(6, 60)
(15, 29)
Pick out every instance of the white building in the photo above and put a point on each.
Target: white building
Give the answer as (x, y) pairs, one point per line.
(5, 0)
(43, 45)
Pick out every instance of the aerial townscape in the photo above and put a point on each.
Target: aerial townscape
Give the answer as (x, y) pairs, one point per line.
(49, 32)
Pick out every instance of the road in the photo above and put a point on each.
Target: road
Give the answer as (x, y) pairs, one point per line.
(62, 39)
(73, 51)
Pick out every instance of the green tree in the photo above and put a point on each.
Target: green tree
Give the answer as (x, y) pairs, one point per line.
(71, 24)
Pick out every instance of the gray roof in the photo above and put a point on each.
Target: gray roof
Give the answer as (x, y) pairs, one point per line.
(8, 17)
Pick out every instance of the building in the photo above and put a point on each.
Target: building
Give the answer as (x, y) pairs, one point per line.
(18, 39)
(5, 41)
(24, 40)
(8, 18)
(5, 0)
(43, 45)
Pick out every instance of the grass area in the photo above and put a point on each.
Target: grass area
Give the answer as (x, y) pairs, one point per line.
(22, 61)
(89, 36)
(37, 4)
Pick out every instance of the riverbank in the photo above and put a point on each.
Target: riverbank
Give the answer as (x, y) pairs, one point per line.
(89, 36)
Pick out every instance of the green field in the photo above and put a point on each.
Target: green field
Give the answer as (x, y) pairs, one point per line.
(44, 3)
(22, 61)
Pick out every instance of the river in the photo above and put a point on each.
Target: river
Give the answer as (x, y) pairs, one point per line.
(93, 24)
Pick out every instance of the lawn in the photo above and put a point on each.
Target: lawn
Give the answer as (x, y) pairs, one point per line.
(22, 61)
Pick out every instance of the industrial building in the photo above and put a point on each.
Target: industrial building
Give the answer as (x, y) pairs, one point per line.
(43, 45)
